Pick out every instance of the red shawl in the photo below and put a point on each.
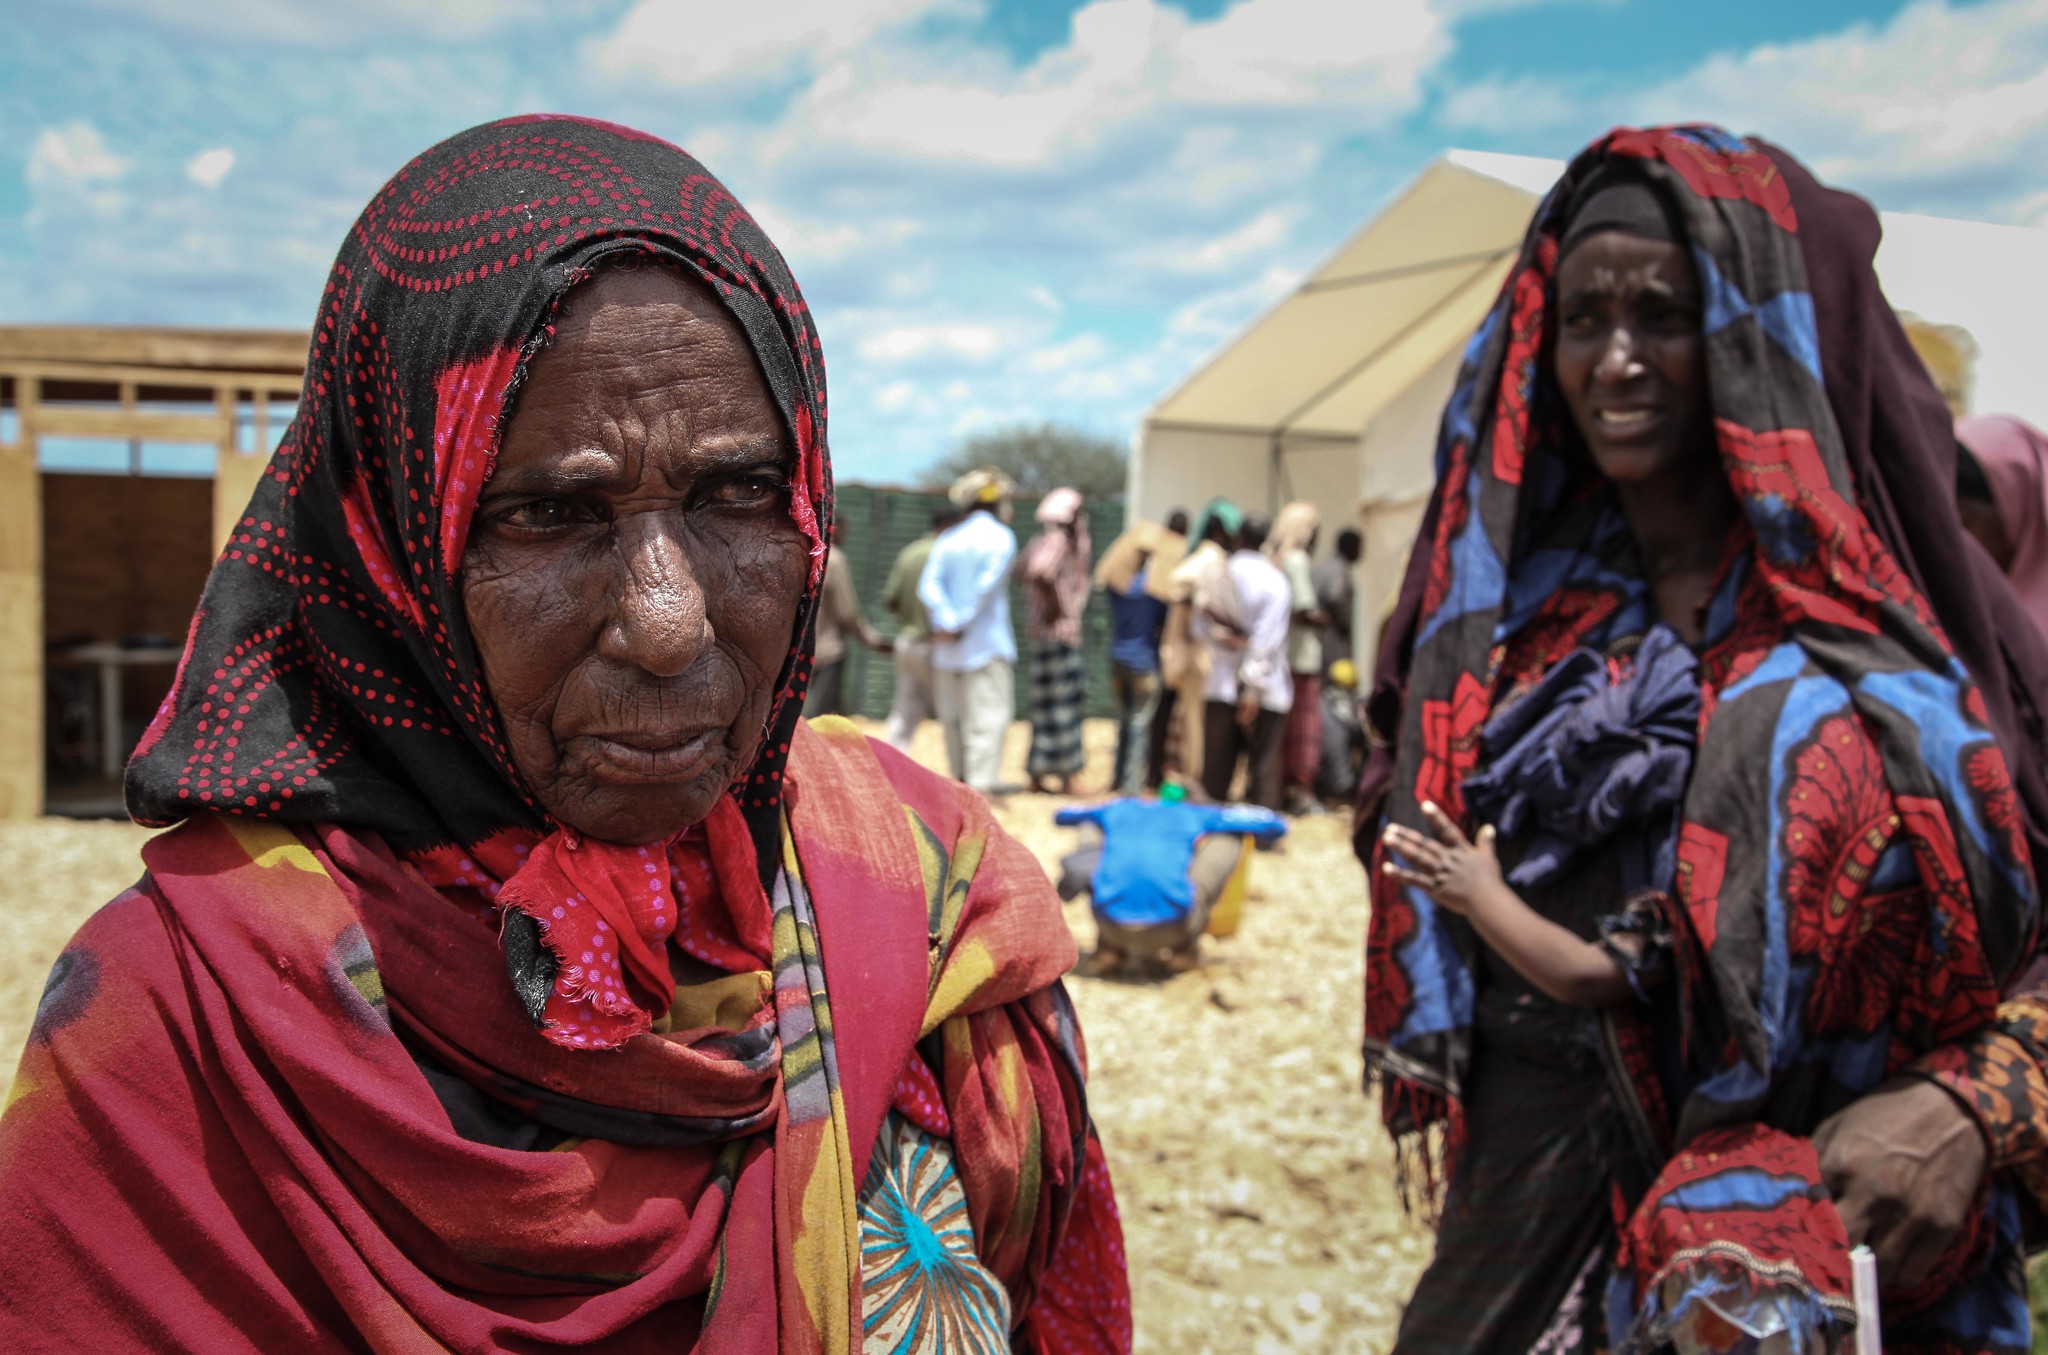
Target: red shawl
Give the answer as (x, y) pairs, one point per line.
(220, 1140)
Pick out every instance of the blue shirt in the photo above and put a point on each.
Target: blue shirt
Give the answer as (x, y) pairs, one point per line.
(1134, 622)
(965, 587)
(1147, 846)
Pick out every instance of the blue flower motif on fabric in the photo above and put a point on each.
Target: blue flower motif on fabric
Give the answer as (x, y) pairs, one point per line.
(924, 1290)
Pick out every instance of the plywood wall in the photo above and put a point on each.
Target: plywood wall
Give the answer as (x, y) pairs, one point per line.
(123, 556)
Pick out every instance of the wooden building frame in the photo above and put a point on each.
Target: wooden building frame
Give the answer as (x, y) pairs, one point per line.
(191, 386)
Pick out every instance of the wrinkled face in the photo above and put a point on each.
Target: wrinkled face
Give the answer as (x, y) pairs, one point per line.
(1630, 357)
(633, 574)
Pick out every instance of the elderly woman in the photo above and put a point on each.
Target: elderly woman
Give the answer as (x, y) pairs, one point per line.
(521, 972)
(1702, 868)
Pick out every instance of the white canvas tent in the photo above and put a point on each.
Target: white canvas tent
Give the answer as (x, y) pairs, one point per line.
(1333, 395)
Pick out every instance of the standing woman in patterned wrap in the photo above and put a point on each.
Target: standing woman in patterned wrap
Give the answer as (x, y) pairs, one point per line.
(522, 973)
(1687, 432)
(1055, 569)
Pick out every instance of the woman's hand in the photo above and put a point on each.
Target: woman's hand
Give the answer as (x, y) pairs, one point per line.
(1460, 875)
(1905, 1164)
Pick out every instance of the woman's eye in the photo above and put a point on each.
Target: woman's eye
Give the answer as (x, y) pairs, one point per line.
(538, 514)
(1670, 314)
(748, 491)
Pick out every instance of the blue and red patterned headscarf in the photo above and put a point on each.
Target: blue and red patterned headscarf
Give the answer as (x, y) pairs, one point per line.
(1854, 873)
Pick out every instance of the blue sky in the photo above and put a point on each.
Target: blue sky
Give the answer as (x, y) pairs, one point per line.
(999, 209)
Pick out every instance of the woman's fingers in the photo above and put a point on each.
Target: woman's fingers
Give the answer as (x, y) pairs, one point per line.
(1407, 876)
(1418, 850)
(1440, 824)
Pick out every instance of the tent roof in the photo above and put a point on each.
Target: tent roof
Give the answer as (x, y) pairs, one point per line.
(1415, 281)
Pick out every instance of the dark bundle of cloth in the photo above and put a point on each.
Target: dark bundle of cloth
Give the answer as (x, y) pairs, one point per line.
(1588, 749)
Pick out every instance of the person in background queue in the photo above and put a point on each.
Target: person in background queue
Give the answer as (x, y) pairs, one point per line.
(2002, 493)
(518, 970)
(965, 588)
(913, 701)
(1248, 690)
(1681, 637)
(1292, 547)
(1136, 619)
(1055, 573)
(1343, 734)
(839, 615)
(1335, 594)
(1200, 580)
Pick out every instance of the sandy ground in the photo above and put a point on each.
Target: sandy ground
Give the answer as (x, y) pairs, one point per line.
(1257, 1189)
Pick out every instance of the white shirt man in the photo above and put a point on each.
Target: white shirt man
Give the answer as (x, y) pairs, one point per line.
(1248, 690)
(965, 588)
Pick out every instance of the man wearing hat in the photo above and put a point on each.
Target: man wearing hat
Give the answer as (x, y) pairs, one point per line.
(965, 590)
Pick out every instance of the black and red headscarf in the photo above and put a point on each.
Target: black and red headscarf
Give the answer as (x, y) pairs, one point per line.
(330, 676)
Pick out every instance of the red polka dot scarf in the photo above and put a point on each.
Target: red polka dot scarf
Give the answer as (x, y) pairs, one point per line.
(330, 676)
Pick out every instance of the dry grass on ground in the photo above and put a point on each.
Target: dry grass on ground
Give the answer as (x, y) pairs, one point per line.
(1257, 1189)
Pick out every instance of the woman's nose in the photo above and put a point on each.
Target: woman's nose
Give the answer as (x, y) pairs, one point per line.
(1618, 357)
(657, 616)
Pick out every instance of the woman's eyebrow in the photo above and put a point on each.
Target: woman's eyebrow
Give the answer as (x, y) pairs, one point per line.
(591, 468)
(752, 455)
(586, 469)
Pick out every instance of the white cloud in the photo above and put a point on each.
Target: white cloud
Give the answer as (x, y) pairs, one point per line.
(1507, 107)
(1125, 63)
(804, 240)
(1937, 91)
(910, 343)
(73, 155)
(1256, 238)
(1944, 108)
(295, 23)
(1220, 314)
(208, 168)
(673, 42)
(1081, 350)
(895, 397)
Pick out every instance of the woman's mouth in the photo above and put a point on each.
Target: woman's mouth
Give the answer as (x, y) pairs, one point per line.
(1622, 422)
(646, 756)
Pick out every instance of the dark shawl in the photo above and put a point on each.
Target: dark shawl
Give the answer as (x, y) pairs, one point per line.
(1854, 874)
(1849, 697)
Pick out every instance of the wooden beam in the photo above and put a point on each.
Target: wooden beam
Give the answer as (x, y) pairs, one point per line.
(281, 384)
(271, 350)
(57, 421)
